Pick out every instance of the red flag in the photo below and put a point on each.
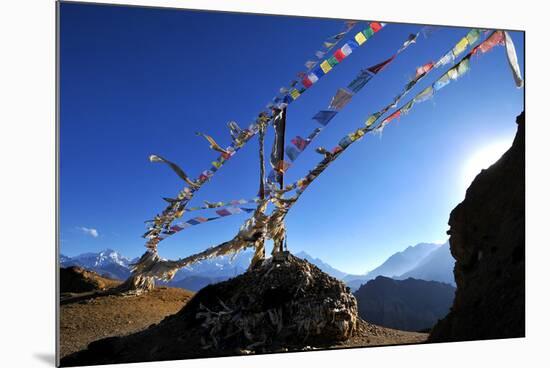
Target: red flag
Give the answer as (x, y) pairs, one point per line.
(375, 26)
(378, 67)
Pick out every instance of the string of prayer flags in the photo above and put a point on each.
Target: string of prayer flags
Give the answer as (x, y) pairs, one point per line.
(323, 117)
(317, 69)
(201, 220)
(341, 99)
(513, 59)
(174, 167)
(344, 95)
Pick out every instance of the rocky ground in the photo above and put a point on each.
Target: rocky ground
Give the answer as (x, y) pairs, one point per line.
(96, 318)
(279, 306)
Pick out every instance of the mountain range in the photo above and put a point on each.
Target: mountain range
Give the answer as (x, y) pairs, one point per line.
(424, 261)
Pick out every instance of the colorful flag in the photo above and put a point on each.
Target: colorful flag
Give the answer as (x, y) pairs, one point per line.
(393, 116)
(421, 70)
(312, 77)
(360, 38)
(299, 142)
(306, 82)
(460, 46)
(368, 32)
(473, 36)
(325, 66)
(223, 212)
(338, 56)
(497, 38)
(446, 59)
(333, 60)
(319, 72)
(360, 81)
(292, 153)
(341, 99)
(408, 106)
(442, 82)
(375, 26)
(426, 94)
(372, 119)
(346, 49)
(294, 94)
(379, 67)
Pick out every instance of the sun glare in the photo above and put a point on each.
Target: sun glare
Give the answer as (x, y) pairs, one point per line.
(482, 159)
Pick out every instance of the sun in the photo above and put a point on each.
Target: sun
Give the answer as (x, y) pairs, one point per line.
(482, 159)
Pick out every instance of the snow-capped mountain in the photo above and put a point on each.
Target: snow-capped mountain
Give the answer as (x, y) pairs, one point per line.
(108, 262)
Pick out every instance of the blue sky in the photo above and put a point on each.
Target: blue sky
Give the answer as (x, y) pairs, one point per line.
(137, 81)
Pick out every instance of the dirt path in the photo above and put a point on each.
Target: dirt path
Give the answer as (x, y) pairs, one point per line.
(86, 321)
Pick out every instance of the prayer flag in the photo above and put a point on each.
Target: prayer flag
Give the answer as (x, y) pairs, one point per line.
(294, 94)
(368, 32)
(299, 142)
(360, 81)
(380, 66)
(312, 78)
(325, 116)
(346, 50)
(333, 60)
(375, 26)
(325, 66)
(360, 38)
(341, 99)
(339, 55)
(426, 94)
(460, 46)
(292, 153)
(473, 36)
(513, 59)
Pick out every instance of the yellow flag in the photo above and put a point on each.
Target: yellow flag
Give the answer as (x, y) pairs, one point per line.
(460, 46)
(295, 94)
(325, 66)
(360, 38)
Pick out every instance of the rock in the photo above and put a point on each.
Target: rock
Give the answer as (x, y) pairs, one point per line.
(487, 237)
(285, 303)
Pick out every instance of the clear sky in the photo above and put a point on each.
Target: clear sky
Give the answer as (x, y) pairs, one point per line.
(137, 81)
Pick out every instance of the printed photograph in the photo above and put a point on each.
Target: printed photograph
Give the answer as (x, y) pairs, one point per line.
(234, 184)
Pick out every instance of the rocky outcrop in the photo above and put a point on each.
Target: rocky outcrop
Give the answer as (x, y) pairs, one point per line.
(78, 280)
(282, 304)
(487, 237)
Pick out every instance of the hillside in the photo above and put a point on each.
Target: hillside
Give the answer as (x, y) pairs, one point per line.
(96, 318)
(78, 280)
(411, 305)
